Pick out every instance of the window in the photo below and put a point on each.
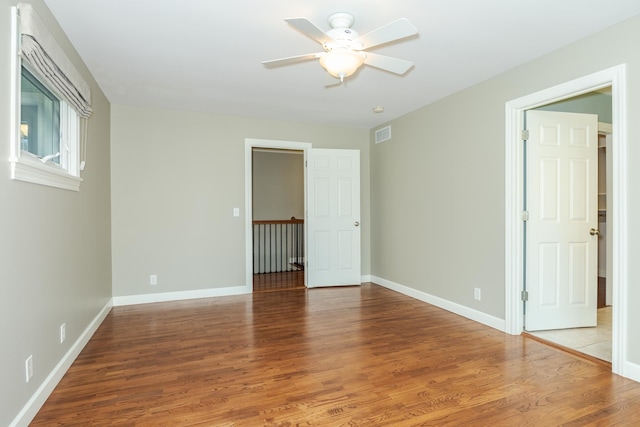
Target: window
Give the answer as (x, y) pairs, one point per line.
(48, 126)
(50, 107)
(39, 119)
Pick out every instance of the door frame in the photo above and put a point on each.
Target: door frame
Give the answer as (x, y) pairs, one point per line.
(514, 195)
(249, 144)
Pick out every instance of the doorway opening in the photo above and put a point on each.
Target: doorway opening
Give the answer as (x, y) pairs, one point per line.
(616, 219)
(278, 219)
(331, 232)
(284, 270)
(591, 336)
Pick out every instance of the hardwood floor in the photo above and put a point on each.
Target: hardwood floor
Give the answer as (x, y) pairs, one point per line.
(278, 281)
(348, 356)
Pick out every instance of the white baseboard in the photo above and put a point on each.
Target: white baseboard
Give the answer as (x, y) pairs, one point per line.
(180, 295)
(631, 370)
(366, 278)
(453, 307)
(30, 410)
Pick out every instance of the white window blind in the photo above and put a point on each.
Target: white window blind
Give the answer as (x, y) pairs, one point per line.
(45, 57)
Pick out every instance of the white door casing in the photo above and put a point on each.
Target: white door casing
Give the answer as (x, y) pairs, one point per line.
(333, 217)
(617, 213)
(561, 248)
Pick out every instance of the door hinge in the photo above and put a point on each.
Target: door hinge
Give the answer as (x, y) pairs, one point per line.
(524, 134)
(306, 163)
(524, 296)
(525, 215)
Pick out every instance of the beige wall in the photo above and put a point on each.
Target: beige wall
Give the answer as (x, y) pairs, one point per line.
(438, 187)
(176, 177)
(55, 260)
(278, 185)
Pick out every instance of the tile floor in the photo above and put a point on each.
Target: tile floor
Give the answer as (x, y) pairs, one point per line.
(595, 341)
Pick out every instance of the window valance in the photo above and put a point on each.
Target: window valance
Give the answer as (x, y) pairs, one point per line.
(45, 57)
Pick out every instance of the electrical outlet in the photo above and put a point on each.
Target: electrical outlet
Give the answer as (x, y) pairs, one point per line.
(477, 294)
(28, 364)
(63, 332)
(153, 279)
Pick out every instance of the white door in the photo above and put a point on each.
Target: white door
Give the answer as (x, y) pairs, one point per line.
(561, 240)
(333, 217)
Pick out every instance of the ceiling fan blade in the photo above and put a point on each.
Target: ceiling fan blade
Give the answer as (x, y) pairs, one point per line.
(292, 59)
(395, 30)
(387, 63)
(309, 28)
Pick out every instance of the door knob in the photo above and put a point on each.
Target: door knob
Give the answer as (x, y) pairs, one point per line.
(594, 232)
(356, 223)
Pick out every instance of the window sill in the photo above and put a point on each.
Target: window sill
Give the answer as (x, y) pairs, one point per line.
(33, 170)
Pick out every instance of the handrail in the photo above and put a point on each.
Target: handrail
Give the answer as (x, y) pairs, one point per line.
(293, 220)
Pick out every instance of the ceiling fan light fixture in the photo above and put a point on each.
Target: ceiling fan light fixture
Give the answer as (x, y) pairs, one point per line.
(344, 49)
(341, 62)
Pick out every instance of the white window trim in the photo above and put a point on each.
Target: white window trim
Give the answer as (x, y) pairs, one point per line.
(25, 167)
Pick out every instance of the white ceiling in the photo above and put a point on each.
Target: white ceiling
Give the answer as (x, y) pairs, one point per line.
(205, 55)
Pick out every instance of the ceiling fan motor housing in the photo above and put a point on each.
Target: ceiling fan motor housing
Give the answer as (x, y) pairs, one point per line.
(342, 38)
(343, 34)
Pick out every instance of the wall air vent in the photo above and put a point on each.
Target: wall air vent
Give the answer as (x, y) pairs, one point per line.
(383, 134)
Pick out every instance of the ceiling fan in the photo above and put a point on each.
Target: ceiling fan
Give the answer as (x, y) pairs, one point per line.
(344, 50)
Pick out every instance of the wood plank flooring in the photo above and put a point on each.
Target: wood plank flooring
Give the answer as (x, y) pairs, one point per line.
(348, 356)
(278, 281)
